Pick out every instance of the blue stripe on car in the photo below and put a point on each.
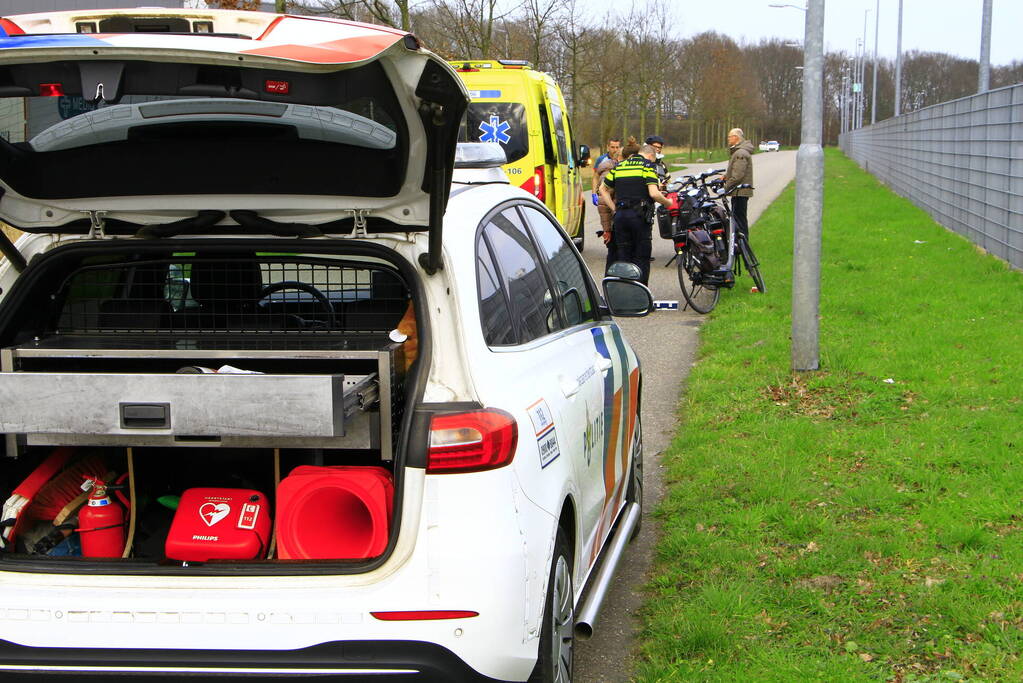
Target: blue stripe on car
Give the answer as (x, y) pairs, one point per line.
(56, 40)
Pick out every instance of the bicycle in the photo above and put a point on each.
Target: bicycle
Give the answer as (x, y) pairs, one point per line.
(709, 253)
(741, 243)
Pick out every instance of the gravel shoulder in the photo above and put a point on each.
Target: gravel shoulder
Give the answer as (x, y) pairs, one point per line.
(666, 342)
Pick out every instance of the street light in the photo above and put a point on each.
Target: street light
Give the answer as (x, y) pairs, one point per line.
(873, 88)
(806, 249)
(898, 66)
(984, 77)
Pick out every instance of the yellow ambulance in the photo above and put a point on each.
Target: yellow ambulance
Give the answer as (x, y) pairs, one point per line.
(524, 110)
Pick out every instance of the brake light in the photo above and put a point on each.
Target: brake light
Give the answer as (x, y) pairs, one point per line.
(471, 442)
(51, 89)
(425, 615)
(537, 184)
(277, 87)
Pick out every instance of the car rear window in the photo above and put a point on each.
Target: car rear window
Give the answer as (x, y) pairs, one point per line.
(501, 122)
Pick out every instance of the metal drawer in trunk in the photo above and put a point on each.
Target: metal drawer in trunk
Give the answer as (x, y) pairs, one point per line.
(113, 409)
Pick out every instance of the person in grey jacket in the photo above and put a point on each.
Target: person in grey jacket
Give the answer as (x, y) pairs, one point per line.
(739, 172)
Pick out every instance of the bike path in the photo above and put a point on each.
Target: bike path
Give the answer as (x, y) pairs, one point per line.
(666, 342)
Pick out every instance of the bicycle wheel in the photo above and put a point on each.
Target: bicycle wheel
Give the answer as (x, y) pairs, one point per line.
(752, 265)
(702, 299)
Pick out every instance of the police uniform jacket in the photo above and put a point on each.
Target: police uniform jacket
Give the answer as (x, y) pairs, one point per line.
(630, 180)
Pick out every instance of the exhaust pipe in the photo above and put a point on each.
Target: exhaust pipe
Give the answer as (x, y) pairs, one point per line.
(586, 616)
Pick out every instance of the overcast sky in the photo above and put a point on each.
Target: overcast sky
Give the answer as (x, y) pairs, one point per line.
(949, 26)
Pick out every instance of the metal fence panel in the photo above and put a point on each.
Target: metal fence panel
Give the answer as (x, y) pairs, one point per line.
(960, 161)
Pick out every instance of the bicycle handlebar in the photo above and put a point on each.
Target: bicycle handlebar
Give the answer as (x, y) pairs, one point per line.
(725, 193)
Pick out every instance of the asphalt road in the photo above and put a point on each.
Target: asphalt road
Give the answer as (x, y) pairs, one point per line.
(666, 343)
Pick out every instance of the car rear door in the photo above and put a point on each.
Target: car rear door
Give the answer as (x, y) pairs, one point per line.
(603, 376)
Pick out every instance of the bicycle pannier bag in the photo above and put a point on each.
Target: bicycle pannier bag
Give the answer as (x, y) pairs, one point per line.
(664, 223)
(703, 247)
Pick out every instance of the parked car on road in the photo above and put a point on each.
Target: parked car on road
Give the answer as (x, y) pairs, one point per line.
(291, 383)
(770, 146)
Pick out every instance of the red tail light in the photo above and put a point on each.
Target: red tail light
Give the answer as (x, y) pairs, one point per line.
(536, 185)
(51, 90)
(471, 442)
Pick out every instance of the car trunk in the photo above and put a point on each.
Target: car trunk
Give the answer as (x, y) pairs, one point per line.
(240, 406)
(234, 396)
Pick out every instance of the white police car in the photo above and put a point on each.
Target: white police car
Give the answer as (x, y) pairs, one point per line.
(342, 403)
(770, 146)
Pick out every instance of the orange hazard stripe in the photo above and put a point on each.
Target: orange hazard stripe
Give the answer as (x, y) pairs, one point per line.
(633, 415)
(609, 459)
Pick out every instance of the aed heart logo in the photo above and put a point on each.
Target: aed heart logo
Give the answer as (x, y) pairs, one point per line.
(212, 513)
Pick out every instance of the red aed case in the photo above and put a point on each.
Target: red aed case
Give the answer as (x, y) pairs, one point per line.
(219, 524)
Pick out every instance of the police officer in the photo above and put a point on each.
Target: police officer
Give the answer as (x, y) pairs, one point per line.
(657, 142)
(630, 189)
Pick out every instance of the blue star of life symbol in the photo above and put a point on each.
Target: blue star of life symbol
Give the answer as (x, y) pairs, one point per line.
(495, 131)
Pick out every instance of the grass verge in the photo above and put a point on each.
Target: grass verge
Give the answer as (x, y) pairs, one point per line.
(863, 522)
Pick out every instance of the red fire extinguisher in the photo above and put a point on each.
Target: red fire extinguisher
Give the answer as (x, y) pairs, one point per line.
(101, 524)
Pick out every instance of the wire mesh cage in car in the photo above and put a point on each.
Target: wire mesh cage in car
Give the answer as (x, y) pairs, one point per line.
(237, 294)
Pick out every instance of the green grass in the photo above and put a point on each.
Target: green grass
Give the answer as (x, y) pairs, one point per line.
(708, 156)
(862, 522)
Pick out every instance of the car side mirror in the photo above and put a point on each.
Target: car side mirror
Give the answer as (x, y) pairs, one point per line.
(584, 156)
(627, 298)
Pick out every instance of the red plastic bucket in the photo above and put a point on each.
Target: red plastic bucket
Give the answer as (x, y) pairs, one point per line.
(334, 513)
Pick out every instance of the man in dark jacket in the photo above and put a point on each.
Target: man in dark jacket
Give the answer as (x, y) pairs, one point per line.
(739, 172)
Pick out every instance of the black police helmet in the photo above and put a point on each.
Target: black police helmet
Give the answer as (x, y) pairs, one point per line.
(655, 139)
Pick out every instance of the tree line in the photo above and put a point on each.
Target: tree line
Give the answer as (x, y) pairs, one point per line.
(625, 74)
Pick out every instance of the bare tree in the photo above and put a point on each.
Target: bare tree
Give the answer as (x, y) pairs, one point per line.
(933, 77)
(395, 13)
(470, 23)
(539, 16)
(1010, 74)
(775, 67)
(233, 4)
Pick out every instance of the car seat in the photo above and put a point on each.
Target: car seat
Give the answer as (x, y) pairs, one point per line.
(381, 311)
(144, 305)
(227, 290)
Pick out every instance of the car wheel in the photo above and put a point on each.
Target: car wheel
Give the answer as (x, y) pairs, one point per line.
(634, 494)
(555, 659)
